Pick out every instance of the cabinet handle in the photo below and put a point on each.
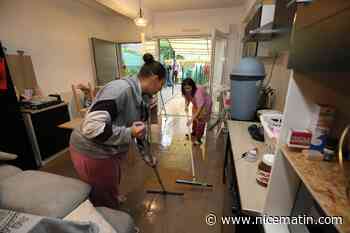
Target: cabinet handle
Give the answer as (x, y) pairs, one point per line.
(298, 1)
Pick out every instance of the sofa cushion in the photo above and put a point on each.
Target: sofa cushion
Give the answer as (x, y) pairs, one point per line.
(8, 171)
(86, 212)
(42, 193)
(120, 221)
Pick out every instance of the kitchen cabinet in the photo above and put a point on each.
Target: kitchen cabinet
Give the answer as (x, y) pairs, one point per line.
(319, 42)
(324, 180)
(317, 11)
(272, 33)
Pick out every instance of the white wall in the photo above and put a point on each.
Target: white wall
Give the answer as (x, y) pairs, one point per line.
(198, 22)
(56, 35)
(124, 30)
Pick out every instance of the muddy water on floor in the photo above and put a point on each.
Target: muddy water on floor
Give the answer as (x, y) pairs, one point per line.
(157, 213)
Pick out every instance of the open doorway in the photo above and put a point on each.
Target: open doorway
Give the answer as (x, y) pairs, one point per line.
(131, 58)
(183, 58)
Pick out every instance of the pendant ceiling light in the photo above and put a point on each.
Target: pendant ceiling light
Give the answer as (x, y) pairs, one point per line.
(140, 21)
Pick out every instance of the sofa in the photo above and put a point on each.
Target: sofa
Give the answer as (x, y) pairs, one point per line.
(50, 195)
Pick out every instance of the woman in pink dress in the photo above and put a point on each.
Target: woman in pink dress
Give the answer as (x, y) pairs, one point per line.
(201, 108)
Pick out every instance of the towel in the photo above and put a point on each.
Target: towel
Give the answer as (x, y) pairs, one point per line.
(14, 222)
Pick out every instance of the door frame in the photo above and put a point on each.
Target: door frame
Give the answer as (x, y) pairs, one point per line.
(216, 34)
(195, 36)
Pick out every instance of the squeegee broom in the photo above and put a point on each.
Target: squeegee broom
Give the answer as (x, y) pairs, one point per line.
(144, 149)
(193, 181)
(163, 106)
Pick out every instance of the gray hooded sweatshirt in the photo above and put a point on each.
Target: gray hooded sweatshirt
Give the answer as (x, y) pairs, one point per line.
(106, 128)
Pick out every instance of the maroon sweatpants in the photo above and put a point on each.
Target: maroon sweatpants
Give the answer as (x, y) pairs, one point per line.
(198, 128)
(102, 174)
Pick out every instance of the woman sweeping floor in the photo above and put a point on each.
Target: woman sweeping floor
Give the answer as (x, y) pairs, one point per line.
(112, 121)
(201, 108)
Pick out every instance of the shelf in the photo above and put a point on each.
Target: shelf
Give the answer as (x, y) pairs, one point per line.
(275, 29)
(292, 2)
(266, 33)
(325, 182)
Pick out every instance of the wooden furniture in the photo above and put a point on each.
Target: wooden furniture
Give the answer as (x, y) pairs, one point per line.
(76, 95)
(72, 124)
(320, 42)
(314, 32)
(22, 73)
(290, 169)
(45, 138)
(317, 11)
(13, 136)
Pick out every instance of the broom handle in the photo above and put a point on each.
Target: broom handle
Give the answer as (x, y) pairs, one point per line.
(161, 97)
(191, 154)
(158, 178)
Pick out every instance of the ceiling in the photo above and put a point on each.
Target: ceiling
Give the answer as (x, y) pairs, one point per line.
(179, 5)
(130, 8)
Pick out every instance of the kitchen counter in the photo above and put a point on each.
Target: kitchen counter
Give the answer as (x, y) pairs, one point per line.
(252, 195)
(325, 182)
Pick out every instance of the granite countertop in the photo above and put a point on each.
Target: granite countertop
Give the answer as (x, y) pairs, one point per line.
(326, 182)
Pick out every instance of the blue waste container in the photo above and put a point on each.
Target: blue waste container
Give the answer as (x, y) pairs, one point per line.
(246, 84)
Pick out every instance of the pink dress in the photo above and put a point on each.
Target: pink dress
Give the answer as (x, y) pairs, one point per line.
(201, 99)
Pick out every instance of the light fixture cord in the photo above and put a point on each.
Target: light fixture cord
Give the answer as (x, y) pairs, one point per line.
(140, 9)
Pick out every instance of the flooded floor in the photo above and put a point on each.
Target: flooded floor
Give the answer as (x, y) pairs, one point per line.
(175, 106)
(155, 213)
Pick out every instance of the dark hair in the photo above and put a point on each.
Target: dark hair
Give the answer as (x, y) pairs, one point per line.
(188, 82)
(151, 67)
